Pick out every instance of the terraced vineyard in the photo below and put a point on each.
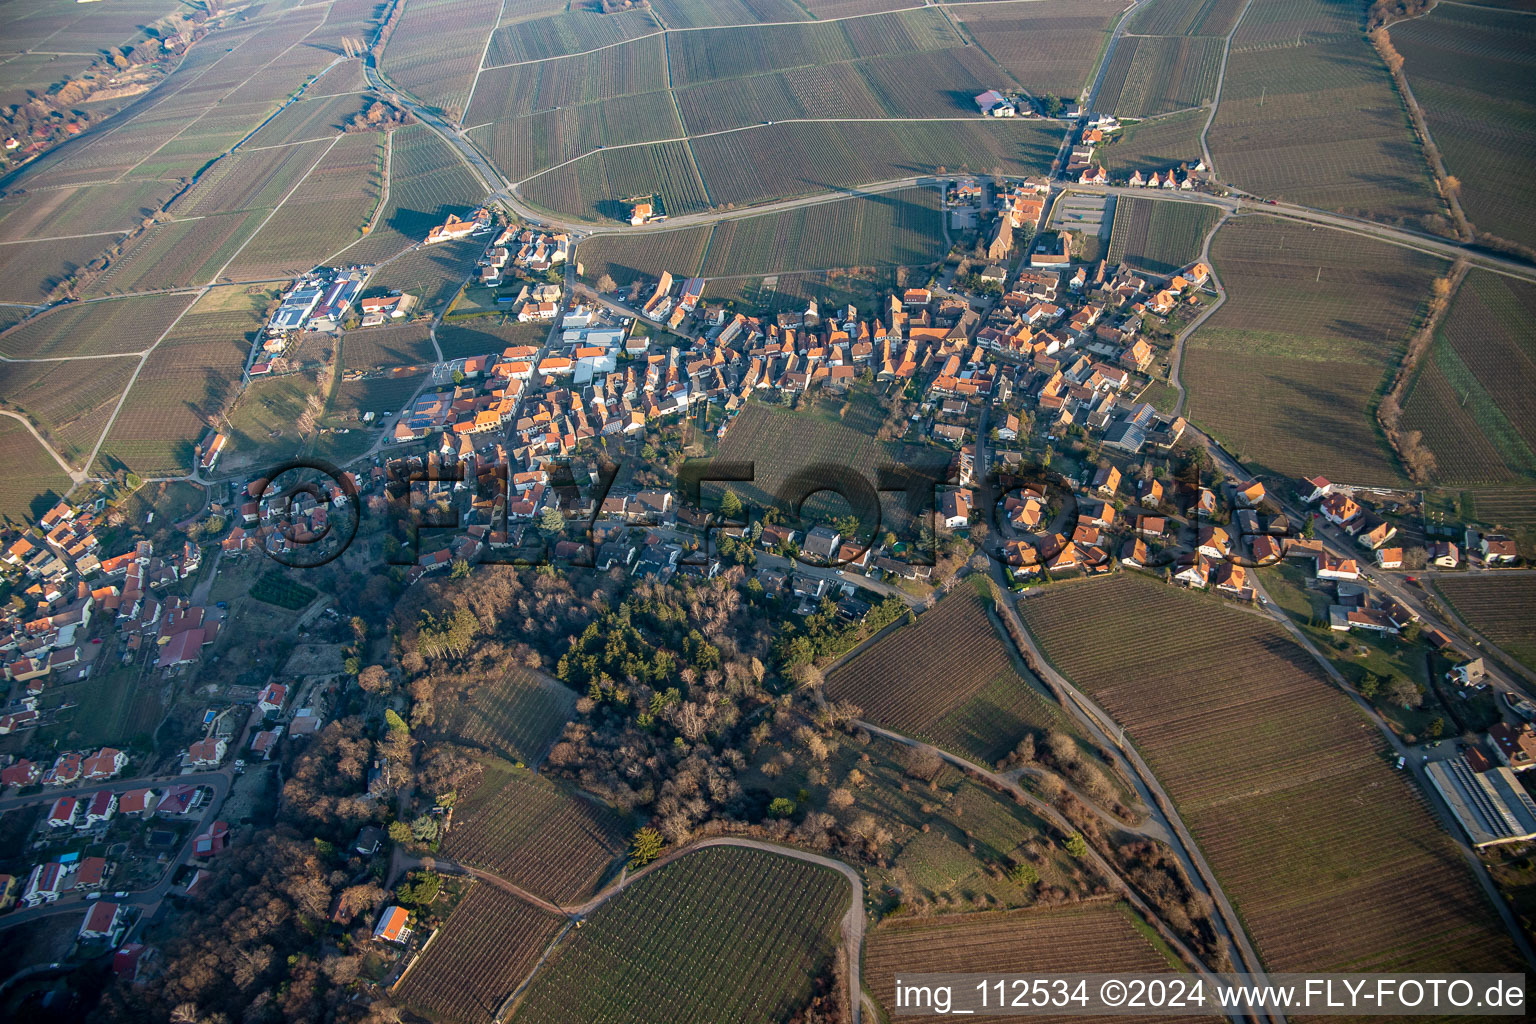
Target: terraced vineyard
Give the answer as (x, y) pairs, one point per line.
(534, 834)
(1160, 237)
(723, 934)
(1284, 374)
(948, 680)
(516, 718)
(1286, 788)
(1085, 937)
(1498, 607)
(483, 952)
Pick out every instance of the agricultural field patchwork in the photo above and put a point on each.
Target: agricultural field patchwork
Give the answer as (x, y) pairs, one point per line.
(112, 327)
(595, 186)
(1309, 114)
(36, 271)
(488, 945)
(1472, 399)
(893, 228)
(69, 402)
(1287, 371)
(435, 50)
(1286, 788)
(185, 384)
(329, 210)
(564, 34)
(553, 842)
(628, 258)
(721, 934)
(427, 181)
(951, 680)
(1472, 70)
(1050, 47)
(1159, 237)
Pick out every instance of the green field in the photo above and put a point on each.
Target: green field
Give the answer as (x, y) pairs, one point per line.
(722, 934)
(1286, 373)
(1473, 71)
(1289, 793)
(1473, 397)
(1158, 236)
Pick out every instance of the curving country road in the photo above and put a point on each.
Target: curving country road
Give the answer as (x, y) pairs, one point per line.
(147, 900)
(852, 927)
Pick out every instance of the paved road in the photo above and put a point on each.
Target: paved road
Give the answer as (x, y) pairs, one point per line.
(1108, 734)
(852, 925)
(146, 900)
(1056, 818)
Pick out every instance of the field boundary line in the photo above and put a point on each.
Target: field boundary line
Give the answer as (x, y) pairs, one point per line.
(273, 212)
(208, 109)
(76, 476)
(65, 238)
(577, 53)
(1221, 80)
(480, 64)
(750, 127)
(133, 378)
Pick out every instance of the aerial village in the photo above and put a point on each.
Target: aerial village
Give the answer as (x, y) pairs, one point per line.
(1031, 377)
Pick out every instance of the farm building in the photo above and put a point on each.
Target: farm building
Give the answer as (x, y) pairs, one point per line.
(1490, 806)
